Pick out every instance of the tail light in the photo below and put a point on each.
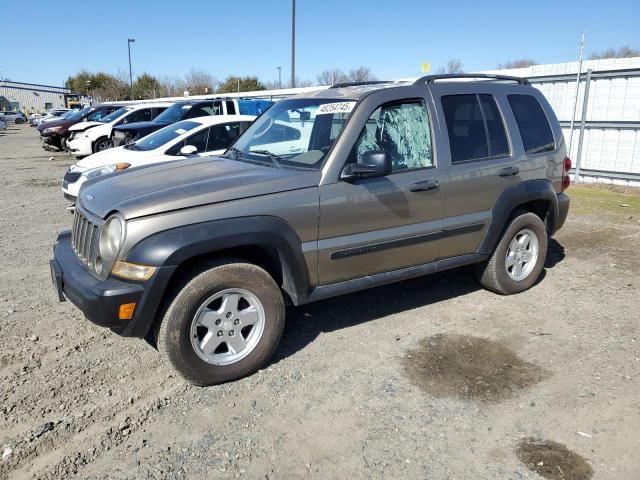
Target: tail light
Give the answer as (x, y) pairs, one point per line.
(566, 180)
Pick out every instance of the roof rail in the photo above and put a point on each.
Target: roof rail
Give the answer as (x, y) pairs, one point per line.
(428, 79)
(357, 84)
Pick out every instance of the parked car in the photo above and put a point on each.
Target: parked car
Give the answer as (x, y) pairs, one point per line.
(16, 117)
(55, 133)
(90, 137)
(396, 180)
(123, 134)
(54, 115)
(203, 137)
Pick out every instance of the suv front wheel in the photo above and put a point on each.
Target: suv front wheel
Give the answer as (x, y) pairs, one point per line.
(518, 259)
(224, 324)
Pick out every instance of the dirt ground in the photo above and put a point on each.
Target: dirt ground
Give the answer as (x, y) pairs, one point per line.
(433, 378)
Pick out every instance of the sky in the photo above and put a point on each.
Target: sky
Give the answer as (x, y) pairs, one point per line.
(51, 40)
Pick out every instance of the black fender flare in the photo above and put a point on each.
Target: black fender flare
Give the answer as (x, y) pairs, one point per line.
(175, 246)
(509, 200)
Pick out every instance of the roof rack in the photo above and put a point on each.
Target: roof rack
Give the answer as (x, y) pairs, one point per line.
(428, 79)
(357, 84)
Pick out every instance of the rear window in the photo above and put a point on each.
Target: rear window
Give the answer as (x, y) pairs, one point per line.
(475, 127)
(533, 124)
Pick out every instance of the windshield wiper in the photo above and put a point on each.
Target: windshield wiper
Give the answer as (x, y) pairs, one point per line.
(274, 158)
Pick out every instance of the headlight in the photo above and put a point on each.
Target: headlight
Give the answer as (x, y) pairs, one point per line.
(107, 169)
(111, 238)
(51, 130)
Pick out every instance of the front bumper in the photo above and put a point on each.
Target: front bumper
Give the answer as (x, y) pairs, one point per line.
(80, 146)
(99, 300)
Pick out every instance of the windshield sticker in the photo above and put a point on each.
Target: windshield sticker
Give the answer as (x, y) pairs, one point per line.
(338, 107)
(180, 131)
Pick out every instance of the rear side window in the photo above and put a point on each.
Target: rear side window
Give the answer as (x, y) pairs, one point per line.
(533, 124)
(231, 108)
(475, 127)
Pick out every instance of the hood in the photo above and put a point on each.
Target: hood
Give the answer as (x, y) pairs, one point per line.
(137, 126)
(79, 127)
(188, 183)
(108, 157)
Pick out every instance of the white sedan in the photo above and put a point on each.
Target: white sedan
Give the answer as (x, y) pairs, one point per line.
(91, 137)
(202, 136)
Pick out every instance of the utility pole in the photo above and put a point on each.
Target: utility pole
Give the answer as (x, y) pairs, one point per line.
(575, 102)
(279, 77)
(293, 43)
(129, 42)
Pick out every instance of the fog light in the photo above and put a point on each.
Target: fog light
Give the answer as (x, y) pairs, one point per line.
(125, 312)
(132, 271)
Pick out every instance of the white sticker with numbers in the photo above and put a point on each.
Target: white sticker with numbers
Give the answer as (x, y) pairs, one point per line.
(338, 107)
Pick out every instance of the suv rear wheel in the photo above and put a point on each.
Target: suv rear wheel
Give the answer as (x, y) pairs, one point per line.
(519, 257)
(225, 323)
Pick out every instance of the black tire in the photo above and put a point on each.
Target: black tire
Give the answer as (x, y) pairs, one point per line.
(63, 143)
(173, 333)
(103, 143)
(493, 274)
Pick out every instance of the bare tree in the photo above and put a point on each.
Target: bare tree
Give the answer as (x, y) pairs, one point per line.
(200, 82)
(331, 76)
(623, 52)
(520, 63)
(300, 83)
(453, 66)
(171, 86)
(361, 74)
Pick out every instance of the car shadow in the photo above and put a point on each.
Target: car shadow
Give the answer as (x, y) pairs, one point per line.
(304, 324)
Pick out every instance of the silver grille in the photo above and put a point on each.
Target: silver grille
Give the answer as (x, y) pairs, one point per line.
(84, 238)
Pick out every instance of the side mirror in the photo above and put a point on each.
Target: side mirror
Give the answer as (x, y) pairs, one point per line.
(188, 150)
(374, 163)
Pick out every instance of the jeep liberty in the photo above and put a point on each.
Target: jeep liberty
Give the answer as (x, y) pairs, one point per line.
(326, 193)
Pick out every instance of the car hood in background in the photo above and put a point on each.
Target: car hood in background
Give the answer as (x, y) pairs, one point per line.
(79, 127)
(188, 183)
(110, 157)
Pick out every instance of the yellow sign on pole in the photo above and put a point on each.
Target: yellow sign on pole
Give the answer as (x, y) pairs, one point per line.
(426, 67)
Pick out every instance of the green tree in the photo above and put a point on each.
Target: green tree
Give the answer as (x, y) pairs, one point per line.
(146, 86)
(246, 84)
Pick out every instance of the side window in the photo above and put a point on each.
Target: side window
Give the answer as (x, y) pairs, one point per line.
(475, 127)
(533, 124)
(142, 115)
(217, 107)
(231, 108)
(402, 130)
(198, 140)
(467, 136)
(221, 136)
(498, 144)
(198, 111)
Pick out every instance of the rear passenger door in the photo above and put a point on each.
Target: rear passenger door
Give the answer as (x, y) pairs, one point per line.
(481, 167)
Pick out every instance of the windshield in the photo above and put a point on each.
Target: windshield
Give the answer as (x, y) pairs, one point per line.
(115, 115)
(173, 113)
(294, 133)
(77, 115)
(98, 115)
(69, 114)
(163, 136)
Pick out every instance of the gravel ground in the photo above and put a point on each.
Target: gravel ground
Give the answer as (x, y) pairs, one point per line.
(431, 378)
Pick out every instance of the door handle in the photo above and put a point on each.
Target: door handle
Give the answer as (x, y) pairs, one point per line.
(509, 171)
(424, 186)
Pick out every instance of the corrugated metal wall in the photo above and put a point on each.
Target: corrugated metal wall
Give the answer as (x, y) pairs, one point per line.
(611, 140)
(32, 96)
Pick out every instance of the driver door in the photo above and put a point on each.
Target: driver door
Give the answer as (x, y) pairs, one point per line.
(374, 225)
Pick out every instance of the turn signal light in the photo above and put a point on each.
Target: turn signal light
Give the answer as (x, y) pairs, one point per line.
(125, 312)
(122, 166)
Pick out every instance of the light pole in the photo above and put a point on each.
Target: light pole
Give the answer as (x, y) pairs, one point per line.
(293, 43)
(279, 77)
(129, 42)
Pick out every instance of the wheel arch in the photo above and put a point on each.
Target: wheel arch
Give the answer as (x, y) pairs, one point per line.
(535, 196)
